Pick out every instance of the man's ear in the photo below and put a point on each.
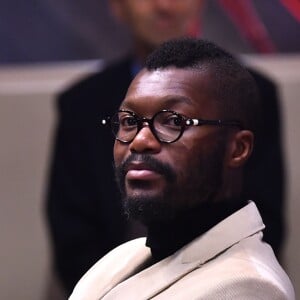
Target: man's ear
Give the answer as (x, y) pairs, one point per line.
(240, 148)
(117, 9)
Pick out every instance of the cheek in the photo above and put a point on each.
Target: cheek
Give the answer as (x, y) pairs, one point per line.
(190, 151)
(119, 152)
(201, 139)
(184, 157)
(138, 12)
(185, 145)
(192, 145)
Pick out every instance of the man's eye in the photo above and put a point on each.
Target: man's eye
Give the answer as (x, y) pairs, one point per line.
(174, 121)
(128, 121)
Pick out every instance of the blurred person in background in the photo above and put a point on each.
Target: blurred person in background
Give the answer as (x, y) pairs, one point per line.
(80, 30)
(83, 204)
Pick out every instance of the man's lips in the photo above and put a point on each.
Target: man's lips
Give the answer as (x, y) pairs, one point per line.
(141, 171)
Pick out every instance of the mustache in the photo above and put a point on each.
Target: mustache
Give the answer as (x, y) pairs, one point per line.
(157, 166)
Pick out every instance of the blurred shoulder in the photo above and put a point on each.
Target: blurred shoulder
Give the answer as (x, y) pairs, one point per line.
(120, 68)
(101, 91)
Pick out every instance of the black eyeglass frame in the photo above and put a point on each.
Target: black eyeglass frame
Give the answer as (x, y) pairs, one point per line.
(187, 122)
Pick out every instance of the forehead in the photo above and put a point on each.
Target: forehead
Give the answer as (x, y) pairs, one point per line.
(171, 88)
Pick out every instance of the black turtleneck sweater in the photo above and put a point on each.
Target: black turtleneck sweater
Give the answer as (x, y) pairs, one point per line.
(166, 238)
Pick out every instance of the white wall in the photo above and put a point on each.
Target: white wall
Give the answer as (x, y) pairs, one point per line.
(27, 118)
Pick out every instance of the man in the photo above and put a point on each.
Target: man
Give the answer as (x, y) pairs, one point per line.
(83, 206)
(182, 136)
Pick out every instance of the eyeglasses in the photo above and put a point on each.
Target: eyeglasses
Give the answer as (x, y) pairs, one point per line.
(166, 125)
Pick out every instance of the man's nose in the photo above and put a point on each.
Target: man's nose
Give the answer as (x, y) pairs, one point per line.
(145, 141)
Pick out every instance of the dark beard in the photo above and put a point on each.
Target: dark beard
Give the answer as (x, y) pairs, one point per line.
(148, 210)
(145, 209)
(203, 182)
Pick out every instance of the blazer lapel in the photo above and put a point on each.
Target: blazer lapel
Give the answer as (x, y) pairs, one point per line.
(152, 280)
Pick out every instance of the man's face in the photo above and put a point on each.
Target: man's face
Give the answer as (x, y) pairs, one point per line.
(158, 180)
(155, 21)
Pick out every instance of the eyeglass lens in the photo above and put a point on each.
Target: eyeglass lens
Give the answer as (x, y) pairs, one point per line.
(165, 125)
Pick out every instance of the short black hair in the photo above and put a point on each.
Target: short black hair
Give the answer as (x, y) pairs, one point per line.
(232, 85)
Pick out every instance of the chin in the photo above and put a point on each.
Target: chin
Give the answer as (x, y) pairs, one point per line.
(148, 209)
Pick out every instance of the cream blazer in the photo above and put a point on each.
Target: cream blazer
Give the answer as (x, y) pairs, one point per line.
(229, 261)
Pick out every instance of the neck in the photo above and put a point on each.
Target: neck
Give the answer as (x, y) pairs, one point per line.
(167, 237)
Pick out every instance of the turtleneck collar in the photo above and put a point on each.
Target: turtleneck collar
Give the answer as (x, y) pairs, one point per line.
(166, 238)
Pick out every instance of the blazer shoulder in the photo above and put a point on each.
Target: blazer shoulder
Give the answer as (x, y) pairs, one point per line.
(247, 270)
(113, 268)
